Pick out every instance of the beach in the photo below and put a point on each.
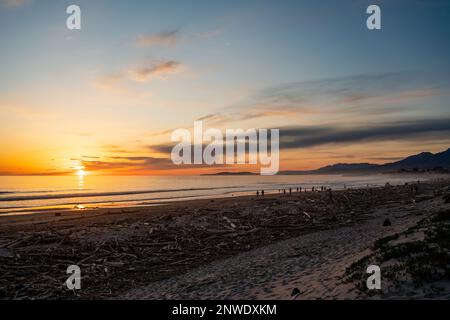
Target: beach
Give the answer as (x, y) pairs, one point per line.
(238, 247)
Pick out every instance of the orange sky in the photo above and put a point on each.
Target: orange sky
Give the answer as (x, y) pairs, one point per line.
(108, 97)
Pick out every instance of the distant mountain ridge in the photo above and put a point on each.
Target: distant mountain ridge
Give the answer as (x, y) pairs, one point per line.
(421, 161)
(226, 173)
(347, 166)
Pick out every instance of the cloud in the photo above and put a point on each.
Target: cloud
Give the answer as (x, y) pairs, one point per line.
(127, 163)
(254, 112)
(353, 97)
(312, 136)
(145, 71)
(162, 38)
(148, 160)
(116, 149)
(159, 69)
(363, 103)
(304, 137)
(113, 82)
(162, 148)
(138, 164)
(38, 173)
(346, 94)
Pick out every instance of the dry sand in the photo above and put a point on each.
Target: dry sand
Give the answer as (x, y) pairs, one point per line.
(313, 263)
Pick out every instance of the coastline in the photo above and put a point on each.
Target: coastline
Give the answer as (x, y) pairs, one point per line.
(121, 250)
(139, 191)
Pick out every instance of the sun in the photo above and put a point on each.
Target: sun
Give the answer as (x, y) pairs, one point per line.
(79, 171)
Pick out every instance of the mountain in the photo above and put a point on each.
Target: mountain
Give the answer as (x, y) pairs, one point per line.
(226, 173)
(421, 161)
(424, 160)
(347, 167)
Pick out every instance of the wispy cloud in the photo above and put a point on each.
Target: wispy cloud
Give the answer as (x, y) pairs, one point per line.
(143, 73)
(345, 94)
(311, 136)
(304, 137)
(160, 69)
(349, 97)
(127, 163)
(254, 112)
(49, 172)
(135, 164)
(162, 38)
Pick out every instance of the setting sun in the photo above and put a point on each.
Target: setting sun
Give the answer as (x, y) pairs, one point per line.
(81, 173)
(79, 170)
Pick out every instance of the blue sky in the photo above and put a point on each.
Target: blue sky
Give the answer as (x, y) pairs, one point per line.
(140, 68)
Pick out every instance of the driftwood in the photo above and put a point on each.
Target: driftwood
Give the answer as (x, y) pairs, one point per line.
(135, 251)
(447, 198)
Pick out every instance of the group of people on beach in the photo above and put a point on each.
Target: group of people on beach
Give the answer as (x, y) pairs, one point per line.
(298, 190)
(414, 188)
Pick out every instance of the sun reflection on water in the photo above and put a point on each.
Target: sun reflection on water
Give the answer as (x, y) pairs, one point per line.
(80, 182)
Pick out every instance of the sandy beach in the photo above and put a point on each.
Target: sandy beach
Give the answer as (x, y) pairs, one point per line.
(233, 248)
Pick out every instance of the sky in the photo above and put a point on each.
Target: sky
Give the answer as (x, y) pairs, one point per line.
(105, 99)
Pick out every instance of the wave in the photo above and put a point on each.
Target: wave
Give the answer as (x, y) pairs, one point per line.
(41, 191)
(100, 204)
(103, 194)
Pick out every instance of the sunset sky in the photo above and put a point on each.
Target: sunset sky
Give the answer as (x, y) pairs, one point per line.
(107, 97)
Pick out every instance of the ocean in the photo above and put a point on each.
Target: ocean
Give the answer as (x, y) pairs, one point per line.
(28, 194)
